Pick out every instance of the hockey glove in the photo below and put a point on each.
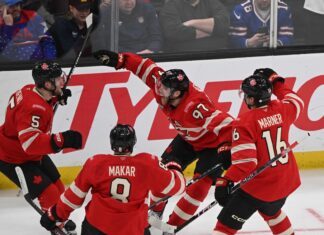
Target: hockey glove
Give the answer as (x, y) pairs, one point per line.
(270, 74)
(67, 139)
(49, 218)
(110, 58)
(224, 156)
(62, 99)
(223, 190)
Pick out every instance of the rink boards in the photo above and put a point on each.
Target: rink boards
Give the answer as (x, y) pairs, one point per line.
(103, 97)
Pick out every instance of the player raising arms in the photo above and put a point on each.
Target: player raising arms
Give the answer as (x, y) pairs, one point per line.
(258, 136)
(120, 187)
(202, 128)
(25, 136)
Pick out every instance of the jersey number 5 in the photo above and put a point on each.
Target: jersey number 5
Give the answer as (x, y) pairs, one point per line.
(120, 189)
(280, 145)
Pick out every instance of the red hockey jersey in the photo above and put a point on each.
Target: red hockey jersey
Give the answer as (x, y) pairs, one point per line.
(258, 136)
(25, 134)
(120, 186)
(196, 118)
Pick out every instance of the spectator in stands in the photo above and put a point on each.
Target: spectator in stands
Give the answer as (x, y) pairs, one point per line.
(40, 6)
(22, 34)
(2, 6)
(139, 29)
(194, 25)
(313, 18)
(69, 34)
(250, 24)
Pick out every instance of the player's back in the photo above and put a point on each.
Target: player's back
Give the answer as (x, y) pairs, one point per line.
(120, 187)
(269, 127)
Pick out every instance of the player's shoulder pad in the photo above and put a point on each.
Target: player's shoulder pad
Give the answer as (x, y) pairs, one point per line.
(282, 6)
(146, 156)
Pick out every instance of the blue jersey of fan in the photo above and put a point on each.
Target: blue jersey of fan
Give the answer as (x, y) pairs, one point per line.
(246, 21)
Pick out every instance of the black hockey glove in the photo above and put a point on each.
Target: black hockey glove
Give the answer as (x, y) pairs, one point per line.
(67, 139)
(223, 190)
(270, 74)
(224, 156)
(110, 58)
(62, 99)
(49, 218)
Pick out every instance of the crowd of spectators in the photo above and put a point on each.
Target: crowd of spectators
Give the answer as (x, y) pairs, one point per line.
(49, 29)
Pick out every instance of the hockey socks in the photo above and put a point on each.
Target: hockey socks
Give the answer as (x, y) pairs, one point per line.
(279, 223)
(189, 203)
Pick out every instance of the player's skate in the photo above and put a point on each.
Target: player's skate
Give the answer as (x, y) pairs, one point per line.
(158, 210)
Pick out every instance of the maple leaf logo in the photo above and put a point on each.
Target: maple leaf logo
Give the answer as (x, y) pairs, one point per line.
(44, 66)
(37, 179)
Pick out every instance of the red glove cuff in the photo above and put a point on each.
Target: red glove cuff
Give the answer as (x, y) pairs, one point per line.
(58, 139)
(222, 182)
(120, 61)
(225, 147)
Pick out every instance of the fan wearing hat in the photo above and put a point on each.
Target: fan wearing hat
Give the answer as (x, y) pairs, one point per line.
(69, 33)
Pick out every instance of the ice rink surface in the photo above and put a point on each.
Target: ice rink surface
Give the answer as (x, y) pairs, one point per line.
(305, 209)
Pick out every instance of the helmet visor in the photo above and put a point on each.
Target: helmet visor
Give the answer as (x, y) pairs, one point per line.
(162, 90)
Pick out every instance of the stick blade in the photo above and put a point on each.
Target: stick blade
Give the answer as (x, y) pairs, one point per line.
(89, 20)
(22, 180)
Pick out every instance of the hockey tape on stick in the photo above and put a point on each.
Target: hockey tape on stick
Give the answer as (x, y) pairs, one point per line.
(190, 182)
(244, 181)
(25, 191)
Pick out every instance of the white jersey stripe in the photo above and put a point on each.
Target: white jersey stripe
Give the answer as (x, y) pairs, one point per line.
(210, 118)
(170, 186)
(183, 215)
(77, 191)
(147, 72)
(246, 160)
(154, 198)
(191, 200)
(182, 183)
(68, 203)
(29, 129)
(197, 137)
(242, 147)
(140, 66)
(296, 97)
(28, 142)
(224, 123)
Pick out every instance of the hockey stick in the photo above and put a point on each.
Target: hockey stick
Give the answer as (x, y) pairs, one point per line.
(76, 60)
(244, 181)
(190, 182)
(25, 191)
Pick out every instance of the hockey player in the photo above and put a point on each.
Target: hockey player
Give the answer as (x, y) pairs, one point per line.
(202, 128)
(259, 135)
(120, 186)
(25, 135)
(250, 24)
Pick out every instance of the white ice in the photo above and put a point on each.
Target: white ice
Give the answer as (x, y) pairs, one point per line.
(305, 208)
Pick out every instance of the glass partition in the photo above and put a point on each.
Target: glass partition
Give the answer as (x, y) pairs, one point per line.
(35, 30)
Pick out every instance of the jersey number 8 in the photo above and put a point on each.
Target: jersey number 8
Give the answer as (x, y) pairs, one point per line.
(120, 189)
